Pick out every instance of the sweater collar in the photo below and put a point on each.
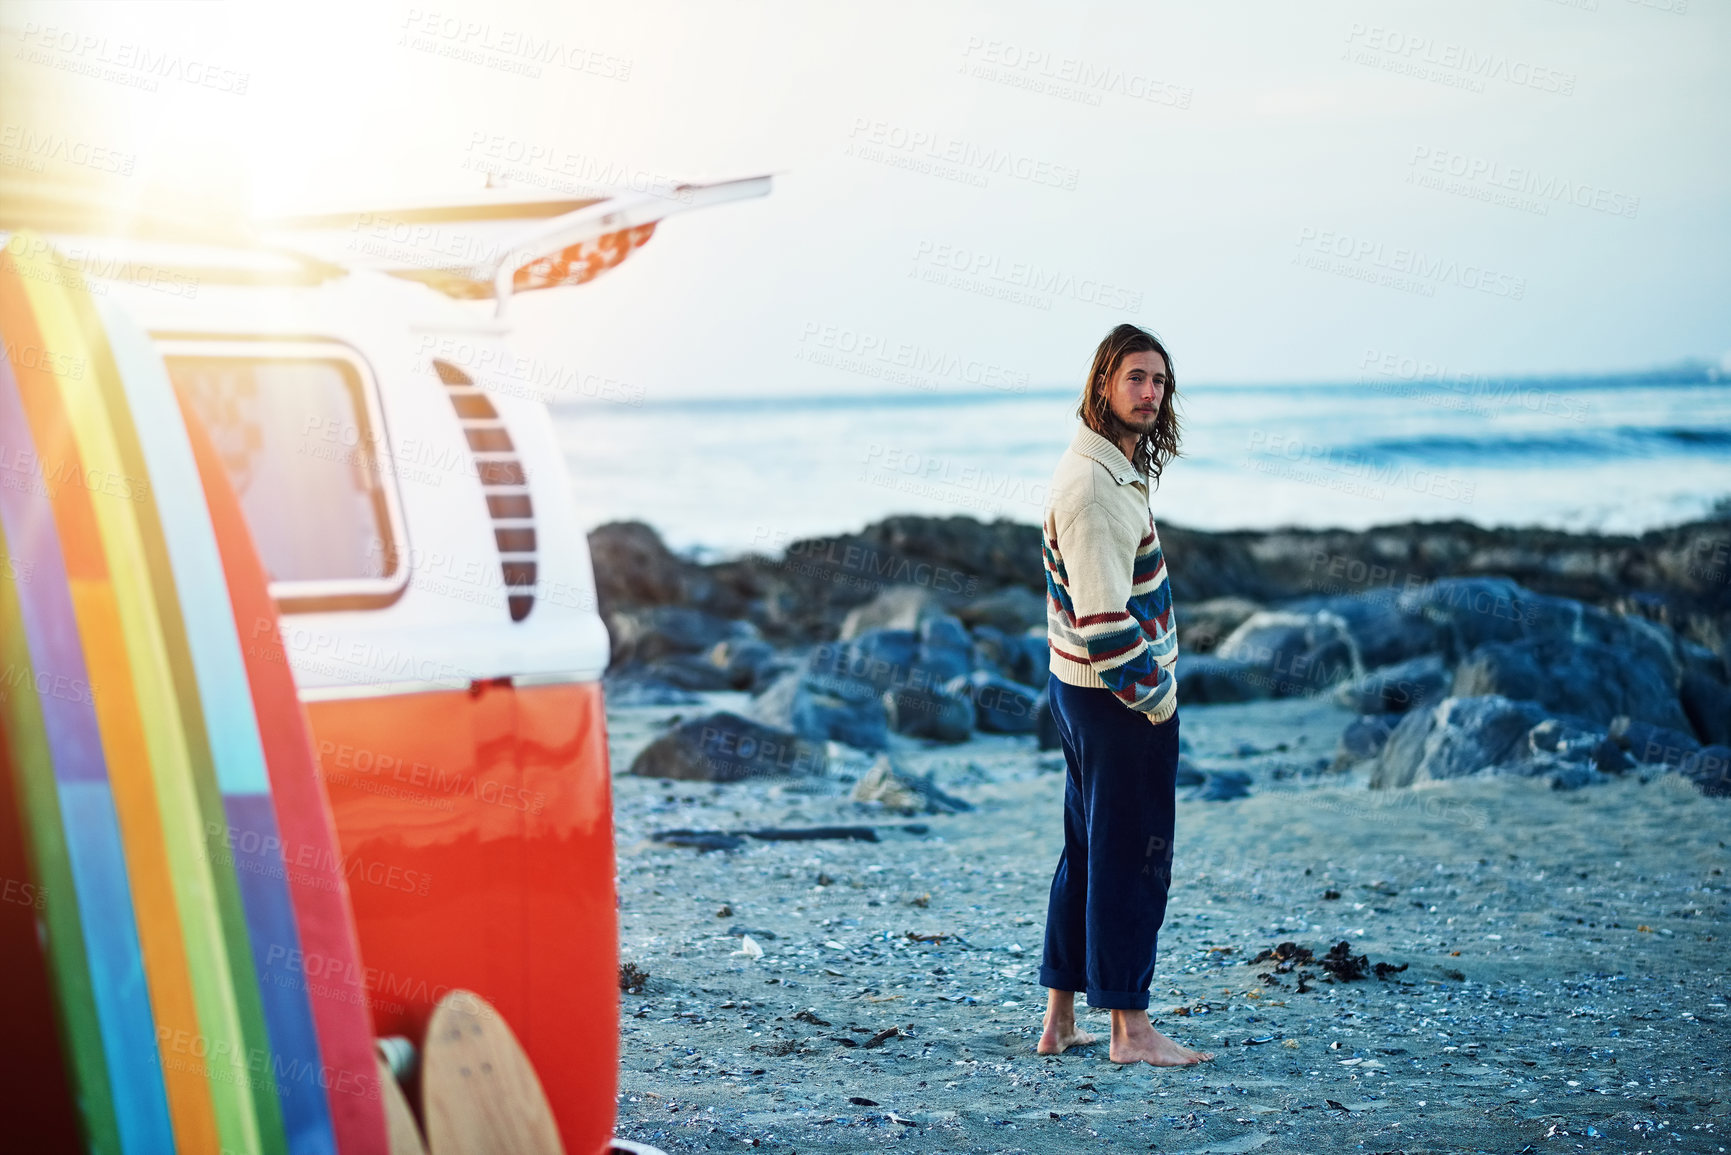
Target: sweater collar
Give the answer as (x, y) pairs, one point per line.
(1090, 444)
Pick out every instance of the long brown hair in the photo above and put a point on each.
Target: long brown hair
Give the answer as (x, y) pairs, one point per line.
(1153, 450)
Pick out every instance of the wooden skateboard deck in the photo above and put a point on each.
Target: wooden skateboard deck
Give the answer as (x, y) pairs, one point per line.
(405, 1134)
(479, 1095)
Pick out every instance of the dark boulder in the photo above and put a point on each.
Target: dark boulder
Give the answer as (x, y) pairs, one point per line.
(792, 703)
(1652, 745)
(724, 747)
(1397, 688)
(688, 672)
(1363, 738)
(1045, 725)
(1593, 679)
(1709, 768)
(864, 666)
(1203, 625)
(1001, 706)
(1024, 658)
(645, 633)
(1380, 630)
(1456, 737)
(930, 712)
(1707, 703)
(749, 663)
(1293, 653)
(1223, 786)
(1204, 679)
(945, 649)
(1011, 610)
(899, 607)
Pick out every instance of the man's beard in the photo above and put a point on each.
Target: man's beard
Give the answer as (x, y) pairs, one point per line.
(1117, 428)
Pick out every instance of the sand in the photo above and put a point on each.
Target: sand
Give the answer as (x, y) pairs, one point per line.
(1565, 985)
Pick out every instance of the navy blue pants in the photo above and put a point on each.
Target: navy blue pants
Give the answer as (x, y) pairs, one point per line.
(1109, 891)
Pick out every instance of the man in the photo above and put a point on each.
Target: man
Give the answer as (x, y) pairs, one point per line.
(1114, 698)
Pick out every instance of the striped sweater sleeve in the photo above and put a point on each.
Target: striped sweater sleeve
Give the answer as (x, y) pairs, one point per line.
(1101, 555)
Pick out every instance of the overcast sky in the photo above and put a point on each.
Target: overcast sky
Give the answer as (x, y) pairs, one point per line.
(1282, 191)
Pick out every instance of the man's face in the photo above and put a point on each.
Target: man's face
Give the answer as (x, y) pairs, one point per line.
(1136, 390)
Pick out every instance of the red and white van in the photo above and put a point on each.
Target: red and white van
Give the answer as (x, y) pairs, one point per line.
(400, 476)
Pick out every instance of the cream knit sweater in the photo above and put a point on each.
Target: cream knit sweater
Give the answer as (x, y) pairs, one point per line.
(1108, 605)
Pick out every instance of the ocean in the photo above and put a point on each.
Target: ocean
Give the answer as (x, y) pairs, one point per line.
(722, 476)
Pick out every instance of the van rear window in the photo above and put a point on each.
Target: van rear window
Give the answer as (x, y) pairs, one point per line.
(298, 440)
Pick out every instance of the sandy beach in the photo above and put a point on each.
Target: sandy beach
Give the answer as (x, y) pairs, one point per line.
(1558, 978)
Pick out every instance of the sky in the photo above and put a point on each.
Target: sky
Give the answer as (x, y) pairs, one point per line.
(1283, 192)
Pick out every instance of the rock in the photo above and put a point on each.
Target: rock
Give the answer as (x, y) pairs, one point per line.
(1045, 725)
(928, 712)
(900, 607)
(1706, 703)
(1000, 705)
(1491, 733)
(1702, 660)
(905, 793)
(1223, 786)
(1709, 768)
(945, 648)
(881, 660)
(1456, 737)
(792, 703)
(724, 747)
(1397, 688)
(688, 672)
(749, 663)
(1652, 745)
(634, 687)
(1573, 753)
(1012, 610)
(648, 632)
(1024, 658)
(633, 567)
(1363, 738)
(1380, 630)
(1591, 679)
(1205, 678)
(1296, 653)
(1203, 625)
(1188, 774)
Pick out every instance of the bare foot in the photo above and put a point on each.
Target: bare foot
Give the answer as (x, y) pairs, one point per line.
(1061, 1032)
(1134, 1040)
(1060, 1036)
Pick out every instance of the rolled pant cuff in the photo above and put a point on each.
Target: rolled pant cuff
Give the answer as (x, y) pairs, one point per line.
(1118, 1000)
(1062, 980)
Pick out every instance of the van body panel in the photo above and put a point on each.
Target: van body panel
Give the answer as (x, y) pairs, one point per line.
(476, 828)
